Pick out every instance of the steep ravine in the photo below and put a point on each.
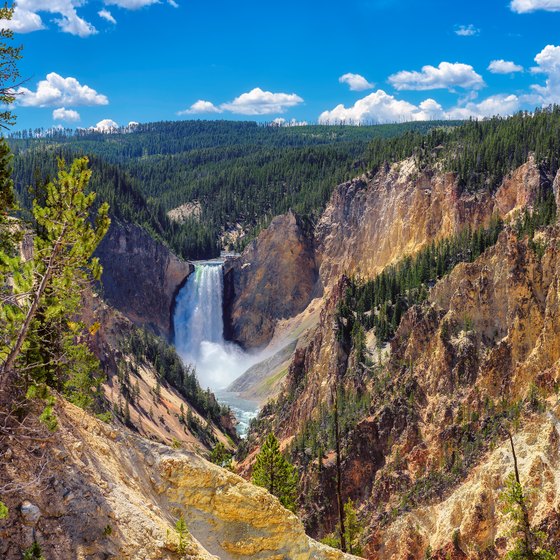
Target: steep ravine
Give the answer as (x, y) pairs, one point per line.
(107, 493)
(458, 367)
(141, 277)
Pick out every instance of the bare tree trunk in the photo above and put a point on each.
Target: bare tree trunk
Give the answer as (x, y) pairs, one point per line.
(527, 536)
(339, 477)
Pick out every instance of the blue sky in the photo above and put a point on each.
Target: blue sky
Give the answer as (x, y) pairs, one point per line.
(352, 61)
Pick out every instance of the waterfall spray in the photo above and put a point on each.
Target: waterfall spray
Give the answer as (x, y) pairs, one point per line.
(199, 329)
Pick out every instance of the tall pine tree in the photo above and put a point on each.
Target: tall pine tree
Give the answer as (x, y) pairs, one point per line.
(275, 473)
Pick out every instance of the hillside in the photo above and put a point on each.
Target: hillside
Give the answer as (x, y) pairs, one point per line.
(437, 331)
(240, 175)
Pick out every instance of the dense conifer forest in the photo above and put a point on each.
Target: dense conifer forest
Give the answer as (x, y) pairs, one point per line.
(239, 172)
(244, 173)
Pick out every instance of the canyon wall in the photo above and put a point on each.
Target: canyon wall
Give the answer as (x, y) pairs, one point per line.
(141, 277)
(482, 352)
(275, 278)
(110, 494)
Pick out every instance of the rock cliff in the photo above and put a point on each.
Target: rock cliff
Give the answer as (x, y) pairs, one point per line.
(274, 279)
(369, 223)
(111, 494)
(141, 277)
(481, 352)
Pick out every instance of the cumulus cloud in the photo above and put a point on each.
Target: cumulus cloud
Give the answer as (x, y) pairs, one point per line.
(504, 67)
(503, 104)
(107, 15)
(355, 82)
(106, 125)
(446, 76)
(27, 17)
(201, 107)
(56, 90)
(526, 6)
(548, 63)
(131, 4)
(466, 30)
(23, 21)
(259, 102)
(380, 107)
(66, 115)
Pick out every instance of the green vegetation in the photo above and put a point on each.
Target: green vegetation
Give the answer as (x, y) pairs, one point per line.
(242, 172)
(182, 533)
(43, 345)
(239, 172)
(480, 152)
(380, 303)
(147, 347)
(353, 529)
(527, 543)
(318, 436)
(34, 552)
(9, 57)
(275, 473)
(4, 511)
(221, 456)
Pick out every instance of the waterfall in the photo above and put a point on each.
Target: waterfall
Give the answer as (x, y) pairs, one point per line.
(199, 329)
(198, 310)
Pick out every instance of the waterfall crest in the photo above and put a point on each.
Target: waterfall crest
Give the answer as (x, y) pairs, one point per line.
(199, 329)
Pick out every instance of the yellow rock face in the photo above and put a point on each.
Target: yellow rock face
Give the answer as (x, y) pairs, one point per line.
(113, 494)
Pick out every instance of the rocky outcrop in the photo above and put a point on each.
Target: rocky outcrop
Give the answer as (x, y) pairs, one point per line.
(275, 278)
(483, 349)
(141, 277)
(369, 223)
(98, 492)
(376, 219)
(487, 339)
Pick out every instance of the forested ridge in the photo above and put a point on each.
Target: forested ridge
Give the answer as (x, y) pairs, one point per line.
(245, 173)
(239, 172)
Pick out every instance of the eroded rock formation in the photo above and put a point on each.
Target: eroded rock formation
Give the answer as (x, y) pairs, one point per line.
(141, 277)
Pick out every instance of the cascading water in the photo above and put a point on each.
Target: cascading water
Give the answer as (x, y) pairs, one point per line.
(199, 337)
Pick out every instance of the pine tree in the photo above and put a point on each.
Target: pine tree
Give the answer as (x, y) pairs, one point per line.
(527, 543)
(353, 528)
(41, 344)
(275, 473)
(220, 456)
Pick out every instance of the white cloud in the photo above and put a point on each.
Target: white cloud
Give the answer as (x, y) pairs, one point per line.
(466, 30)
(23, 21)
(279, 121)
(131, 4)
(67, 115)
(200, 107)
(446, 76)
(548, 63)
(504, 67)
(380, 107)
(526, 6)
(107, 15)
(106, 125)
(26, 16)
(259, 102)
(56, 90)
(503, 104)
(355, 82)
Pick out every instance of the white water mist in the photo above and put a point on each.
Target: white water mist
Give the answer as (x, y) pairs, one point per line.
(199, 329)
